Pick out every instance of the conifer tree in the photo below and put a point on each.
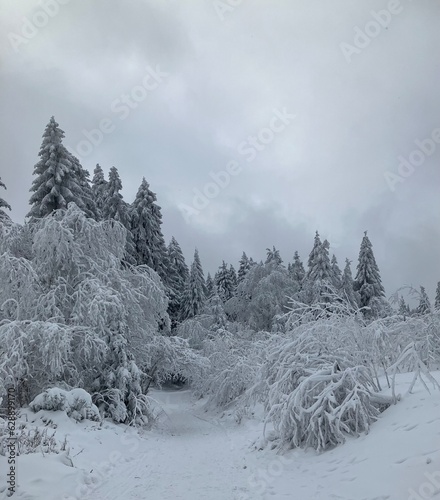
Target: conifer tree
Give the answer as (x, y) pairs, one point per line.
(99, 188)
(424, 306)
(147, 232)
(368, 282)
(210, 286)
(234, 278)
(114, 207)
(244, 267)
(224, 282)
(3, 203)
(297, 270)
(87, 196)
(194, 293)
(56, 183)
(273, 257)
(177, 275)
(403, 307)
(320, 268)
(347, 286)
(437, 297)
(336, 273)
(314, 252)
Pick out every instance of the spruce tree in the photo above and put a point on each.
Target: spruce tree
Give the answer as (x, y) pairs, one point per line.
(297, 270)
(314, 252)
(368, 282)
(99, 188)
(147, 232)
(114, 207)
(336, 273)
(224, 282)
(177, 275)
(437, 297)
(273, 257)
(56, 183)
(320, 268)
(244, 266)
(194, 293)
(347, 286)
(88, 199)
(3, 203)
(424, 306)
(403, 307)
(234, 278)
(210, 287)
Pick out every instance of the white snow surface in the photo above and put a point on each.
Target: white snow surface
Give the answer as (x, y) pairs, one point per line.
(197, 455)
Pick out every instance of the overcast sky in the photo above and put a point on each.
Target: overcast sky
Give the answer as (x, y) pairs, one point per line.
(181, 89)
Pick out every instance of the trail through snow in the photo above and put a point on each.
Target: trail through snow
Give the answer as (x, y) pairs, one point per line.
(190, 458)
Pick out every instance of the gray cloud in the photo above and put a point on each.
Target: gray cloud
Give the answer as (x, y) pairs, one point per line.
(325, 171)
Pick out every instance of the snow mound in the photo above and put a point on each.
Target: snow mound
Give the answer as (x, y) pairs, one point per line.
(77, 403)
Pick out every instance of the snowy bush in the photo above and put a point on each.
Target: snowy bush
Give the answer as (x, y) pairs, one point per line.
(326, 407)
(77, 403)
(31, 439)
(234, 362)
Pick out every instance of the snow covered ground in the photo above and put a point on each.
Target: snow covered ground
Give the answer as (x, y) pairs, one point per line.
(196, 455)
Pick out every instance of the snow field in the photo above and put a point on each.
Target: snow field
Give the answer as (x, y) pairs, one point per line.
(196, 455)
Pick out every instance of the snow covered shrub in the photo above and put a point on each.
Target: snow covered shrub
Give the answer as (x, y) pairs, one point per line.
(77, 403)
(194, 332)
(31, 439)
(326, 407)
(234, 361)
(37, 354)
(19, 290)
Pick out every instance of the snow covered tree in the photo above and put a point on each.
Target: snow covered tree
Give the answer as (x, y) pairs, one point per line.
(297, 269)
(147, 233)
(437, 297)
(403, 308)
(320, 268)
(99, 188)
(3, 203)
(115, 208)
(314, 253)
(367, 281)
(244, 267)
(56, 183)
(194, 292)
(273, 257)
(210, 286)
(101, 321)
(87, 197)
(262, 295)
(177, 275)
(224, 282)
(347, 286)
(318, 285)
(336, 273)
(234, 277)
(424, 306)
(214, 308)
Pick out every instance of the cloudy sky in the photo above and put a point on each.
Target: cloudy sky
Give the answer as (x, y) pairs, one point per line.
(313, 106)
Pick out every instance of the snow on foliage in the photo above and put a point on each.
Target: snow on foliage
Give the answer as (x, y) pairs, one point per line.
(74, 314)
(77, 403)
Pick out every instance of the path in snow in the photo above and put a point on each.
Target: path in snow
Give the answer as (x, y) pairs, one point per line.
(191, 458)
(199, 457)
